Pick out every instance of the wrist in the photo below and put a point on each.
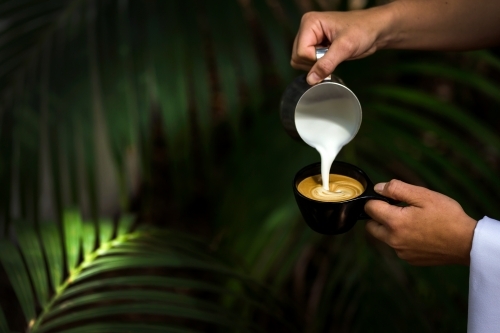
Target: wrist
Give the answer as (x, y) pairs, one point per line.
(465, 240)
(386, 20)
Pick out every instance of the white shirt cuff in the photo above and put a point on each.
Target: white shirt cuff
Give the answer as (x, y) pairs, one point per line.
(484, 279)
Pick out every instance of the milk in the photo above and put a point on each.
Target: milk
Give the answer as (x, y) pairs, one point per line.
(327, 126)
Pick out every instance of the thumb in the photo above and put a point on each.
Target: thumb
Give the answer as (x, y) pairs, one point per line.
(337, 52)
(401, 191)
(322, 68)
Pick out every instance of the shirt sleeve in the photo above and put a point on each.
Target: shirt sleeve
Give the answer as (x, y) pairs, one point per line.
(484, 279)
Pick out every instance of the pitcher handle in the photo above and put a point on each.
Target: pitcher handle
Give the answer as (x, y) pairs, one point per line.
(320, 52)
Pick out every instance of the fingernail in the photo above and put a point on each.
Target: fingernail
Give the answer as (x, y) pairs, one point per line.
(379, 187)
(313, 78)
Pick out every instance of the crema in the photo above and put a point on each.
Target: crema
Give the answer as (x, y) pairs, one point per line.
(340, 188)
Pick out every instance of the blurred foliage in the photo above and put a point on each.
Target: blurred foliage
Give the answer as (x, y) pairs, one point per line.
(167, 111)
(141, 281)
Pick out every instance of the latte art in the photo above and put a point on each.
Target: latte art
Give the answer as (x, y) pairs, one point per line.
(341, 188)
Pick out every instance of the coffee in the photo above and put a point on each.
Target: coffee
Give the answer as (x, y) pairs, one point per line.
(341, 188)
(327, 126)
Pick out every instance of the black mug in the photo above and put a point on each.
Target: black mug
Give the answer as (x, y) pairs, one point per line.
(332, 218)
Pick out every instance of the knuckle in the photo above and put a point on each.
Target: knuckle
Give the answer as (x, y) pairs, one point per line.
(369, 206)
(392, 242)
(369, 226)
(325, 65)
(403, 255)
(391, 221)
(392, 224)
(309, 16)
(346, 45)
(399, 228)
(392, 187)
(302, 53)
(455, 204)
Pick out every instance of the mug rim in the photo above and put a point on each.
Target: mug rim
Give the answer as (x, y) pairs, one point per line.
(358, 170)
(337, 83)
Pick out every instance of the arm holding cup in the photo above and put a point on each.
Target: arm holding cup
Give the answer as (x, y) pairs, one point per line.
(432, 230)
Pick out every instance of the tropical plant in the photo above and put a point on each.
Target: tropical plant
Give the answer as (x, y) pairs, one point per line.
(167, 110)
(140, 281)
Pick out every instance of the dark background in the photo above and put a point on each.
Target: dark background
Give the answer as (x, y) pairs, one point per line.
(163, 115)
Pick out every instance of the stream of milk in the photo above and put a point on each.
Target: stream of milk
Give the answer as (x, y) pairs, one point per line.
(327, 127)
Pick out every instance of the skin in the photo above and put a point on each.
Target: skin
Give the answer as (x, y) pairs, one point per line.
(404, 24)
(432, 229)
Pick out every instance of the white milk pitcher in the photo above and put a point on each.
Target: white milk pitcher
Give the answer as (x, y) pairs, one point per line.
(326, 115)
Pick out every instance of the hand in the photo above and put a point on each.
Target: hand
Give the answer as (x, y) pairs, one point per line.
(351, 35)
(432, 230)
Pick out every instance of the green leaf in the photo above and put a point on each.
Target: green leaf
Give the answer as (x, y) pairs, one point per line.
(466, 77)
(3, 323)
(244, 51)
(468, 185)
(53, 247)
(106, 229)
(32, 252)
(420, 122)
(138, 281)
(144, 308)
(82, 298)
(88, 237)
(430, 177)
(138, 295)
(487, 57)
(106, 264)
(199, 74)
(72, 224)
(450, 112)
(125, 224)
(276, 36)
(225, 61)
(120, 327)
(18, 277)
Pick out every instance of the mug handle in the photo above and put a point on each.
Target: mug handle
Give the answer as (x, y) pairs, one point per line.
(370, 194)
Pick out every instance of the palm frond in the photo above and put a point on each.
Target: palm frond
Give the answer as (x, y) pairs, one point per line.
(19, 279)
(467, 78)
(447, 111)
(159, 74)
(89, 81)
(3, 323)
(143, 274)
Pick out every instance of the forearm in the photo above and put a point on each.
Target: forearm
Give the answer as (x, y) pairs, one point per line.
(439, 24)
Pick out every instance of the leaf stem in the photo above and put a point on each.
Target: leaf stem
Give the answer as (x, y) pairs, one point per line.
(74, 273)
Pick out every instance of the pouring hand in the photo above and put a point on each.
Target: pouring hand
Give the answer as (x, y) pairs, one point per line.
(351, 35)
(404, 24)
(432, 230)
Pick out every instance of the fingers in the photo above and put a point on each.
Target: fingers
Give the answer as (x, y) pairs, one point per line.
(382, 212)
(302, 67)
(398, 190)
(350, 36)
(313, 32)
(321, 69)
(341, 48)
(309, 35)
(388, 214)
(377, 230)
